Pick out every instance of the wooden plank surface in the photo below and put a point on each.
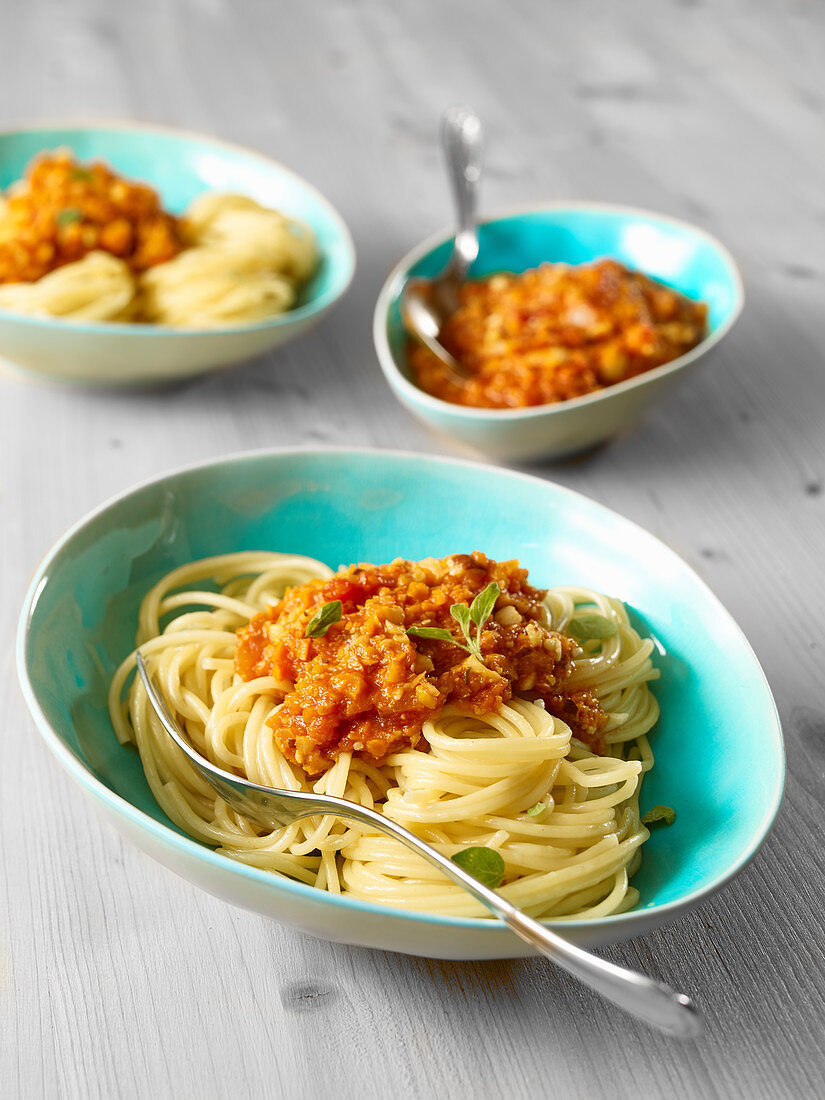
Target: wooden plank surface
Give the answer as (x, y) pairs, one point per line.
(119, 980)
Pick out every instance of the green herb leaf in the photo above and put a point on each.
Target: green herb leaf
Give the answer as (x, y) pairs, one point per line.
(478, 613)
(534, 811)
(485, 864)
(436, 633)
(461, 613)
(659, 816)
(482, 606)
(69, 215)
(323, 619)
(586, 628)
(81, 174)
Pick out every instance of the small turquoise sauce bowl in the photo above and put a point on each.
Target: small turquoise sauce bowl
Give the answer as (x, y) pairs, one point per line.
(718, 745)
(179, 166)
(673, 252)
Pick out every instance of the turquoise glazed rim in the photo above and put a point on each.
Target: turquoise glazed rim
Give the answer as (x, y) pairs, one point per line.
(181, 165)
(723, 776)
(674, 252)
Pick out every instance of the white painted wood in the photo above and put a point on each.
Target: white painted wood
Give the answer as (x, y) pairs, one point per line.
(119, 980)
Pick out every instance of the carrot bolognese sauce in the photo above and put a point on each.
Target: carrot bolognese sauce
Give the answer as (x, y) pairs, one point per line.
(63, 210)
(557, 332)
(377, 673)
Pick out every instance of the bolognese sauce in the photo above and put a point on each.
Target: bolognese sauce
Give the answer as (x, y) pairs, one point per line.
(367, 685)
(63, 210)
(555, 333)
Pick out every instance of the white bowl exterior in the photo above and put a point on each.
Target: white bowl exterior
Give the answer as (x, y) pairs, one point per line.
(363, 928)
(110, 357)
(566, 432)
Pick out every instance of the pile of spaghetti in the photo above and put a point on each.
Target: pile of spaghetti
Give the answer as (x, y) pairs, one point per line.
(449, 694)
(82, 243)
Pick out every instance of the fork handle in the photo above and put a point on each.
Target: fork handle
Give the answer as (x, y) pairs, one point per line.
(654, 1002)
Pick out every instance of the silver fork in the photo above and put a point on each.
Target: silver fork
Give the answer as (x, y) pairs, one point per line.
(654, 1002)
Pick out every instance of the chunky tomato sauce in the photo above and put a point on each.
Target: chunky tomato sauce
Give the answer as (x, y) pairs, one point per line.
(63, 210)
(367, 686)
(557, 332)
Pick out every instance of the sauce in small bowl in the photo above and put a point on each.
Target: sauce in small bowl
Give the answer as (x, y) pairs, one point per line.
(679, 257)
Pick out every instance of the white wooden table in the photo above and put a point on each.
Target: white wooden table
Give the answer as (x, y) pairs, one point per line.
(119, 980)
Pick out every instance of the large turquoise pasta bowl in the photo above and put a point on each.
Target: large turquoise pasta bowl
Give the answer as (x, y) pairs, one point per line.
(179, 166)
(680, 255)
(718, 745)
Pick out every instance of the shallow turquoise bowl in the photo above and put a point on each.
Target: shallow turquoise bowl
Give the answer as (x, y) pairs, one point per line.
(673, 252)
(179, 166)
(718, 746)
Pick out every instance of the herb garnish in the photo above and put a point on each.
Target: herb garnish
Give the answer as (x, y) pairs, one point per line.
(534, 811)
(81, 174)
(659, 816)
(69, 215)
(323, 619)
(477, 613)
(586, 628)
(485, 864)
(434, 633)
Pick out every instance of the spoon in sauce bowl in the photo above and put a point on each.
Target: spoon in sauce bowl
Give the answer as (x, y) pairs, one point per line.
(271, 808)
(427, 303)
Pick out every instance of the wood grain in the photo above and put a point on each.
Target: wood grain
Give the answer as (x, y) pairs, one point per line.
(119, 980)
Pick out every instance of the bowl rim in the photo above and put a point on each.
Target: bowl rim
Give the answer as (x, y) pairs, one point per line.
(426, 402)
(300, 313)
(188, 846)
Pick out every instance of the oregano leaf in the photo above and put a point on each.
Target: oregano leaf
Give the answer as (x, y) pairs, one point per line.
(586, 628)
(323, 619)
(461, 613)
(485, 864)
(482, 606)
(69, 215)
(658, 816)
(436, 633)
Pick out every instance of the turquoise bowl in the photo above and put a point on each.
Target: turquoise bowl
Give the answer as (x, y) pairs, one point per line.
(179, 166)
(718, 746)
(673, 252)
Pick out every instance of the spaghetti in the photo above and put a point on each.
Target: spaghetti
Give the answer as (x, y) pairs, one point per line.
(81, 243)
(245, 263)
(564, 817)
(100, 287)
